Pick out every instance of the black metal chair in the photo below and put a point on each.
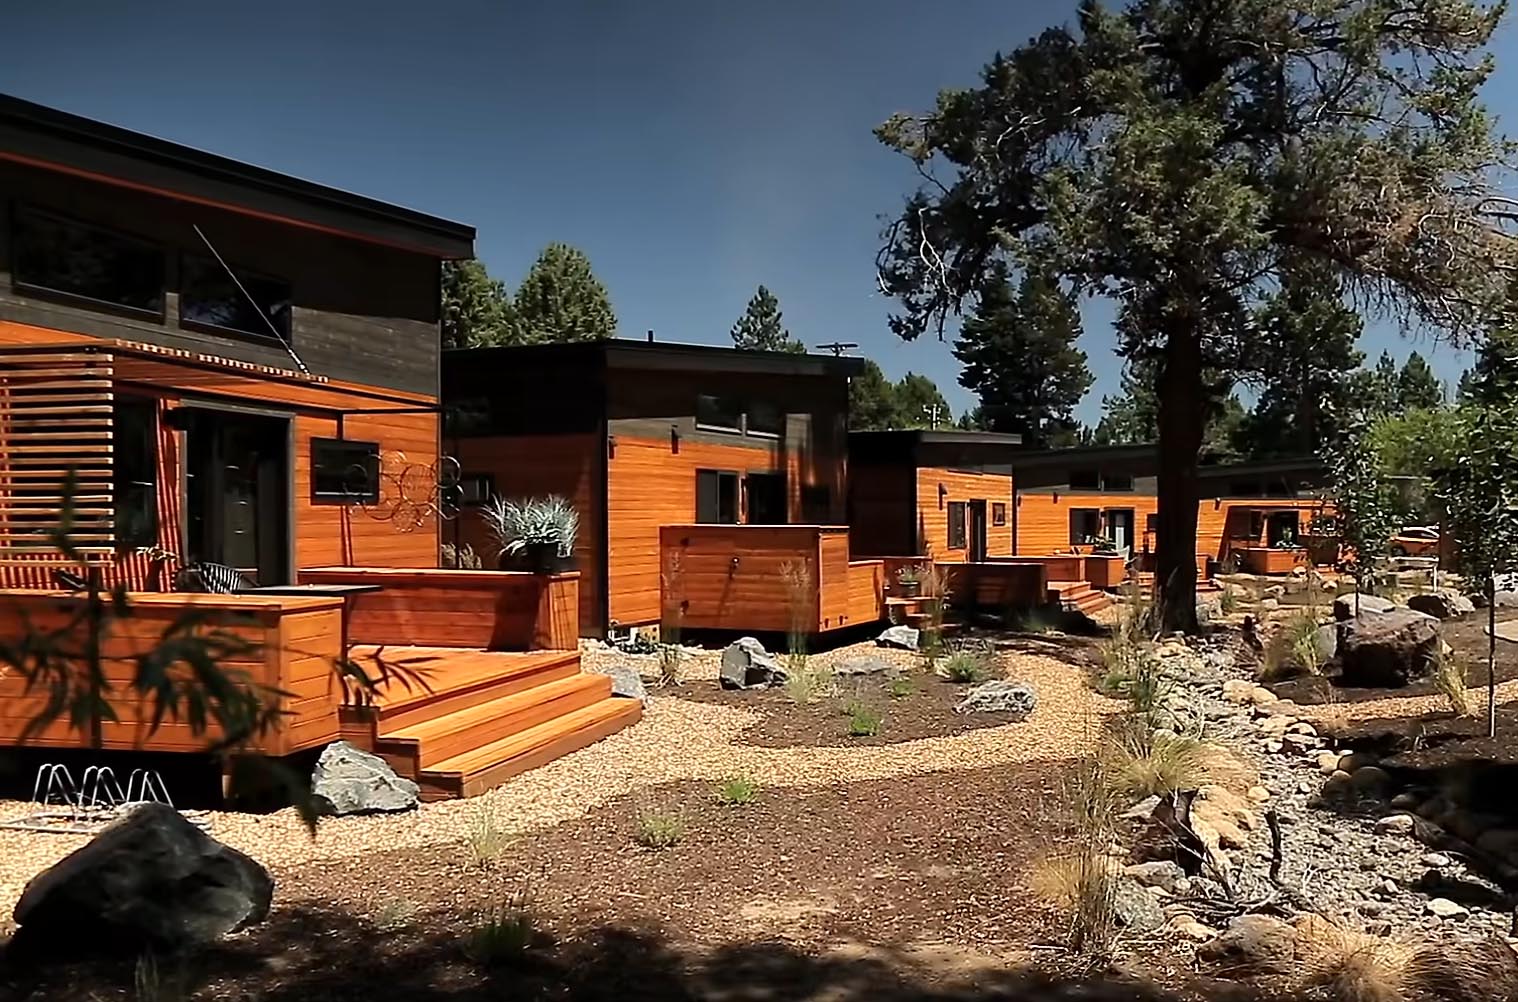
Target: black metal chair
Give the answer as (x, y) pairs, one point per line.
(211, 579)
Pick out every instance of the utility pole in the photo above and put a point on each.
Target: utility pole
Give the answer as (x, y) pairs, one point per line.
(931, 410)
(838, 347)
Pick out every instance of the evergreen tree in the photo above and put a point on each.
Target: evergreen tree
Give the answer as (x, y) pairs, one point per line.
(921, 404)
(1302, 350)
(562, 300)
(1020, 358)
(1179, 155)
(1130, 417)
(476, 309)
(872, 401)
(761, 328)
(1417, 386)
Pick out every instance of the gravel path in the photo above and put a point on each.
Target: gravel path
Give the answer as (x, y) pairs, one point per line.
(677, 739)
(1405, 706)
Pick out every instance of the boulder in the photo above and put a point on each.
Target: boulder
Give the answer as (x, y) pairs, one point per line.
(1387, 649)
(349, 780)
(1344, 606)
(1135, 908)
(1253, 944)
(862, 666)
(747, 665)
(1446, 909)
(1161, 873)
(999, 695)
(1396, 824)
(902, 637)
(1442, 604)
(626, 682)
(152, 879)
(1326, 639)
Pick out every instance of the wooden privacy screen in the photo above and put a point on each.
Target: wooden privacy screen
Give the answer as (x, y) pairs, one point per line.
(55, 414)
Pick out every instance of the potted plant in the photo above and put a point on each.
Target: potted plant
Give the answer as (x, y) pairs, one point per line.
(536, 534)
(909, 581)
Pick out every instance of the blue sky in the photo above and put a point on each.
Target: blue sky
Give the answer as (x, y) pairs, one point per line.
(693, 149)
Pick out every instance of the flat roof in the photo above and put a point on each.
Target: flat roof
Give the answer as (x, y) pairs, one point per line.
(934, 447)
(50, 139)
(632, 353)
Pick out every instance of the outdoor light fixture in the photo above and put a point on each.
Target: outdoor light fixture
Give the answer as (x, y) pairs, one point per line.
(674, 438)
(611, 447)
(943, 492)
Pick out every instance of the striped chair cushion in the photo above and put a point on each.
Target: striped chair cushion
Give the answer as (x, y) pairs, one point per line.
(212, 579)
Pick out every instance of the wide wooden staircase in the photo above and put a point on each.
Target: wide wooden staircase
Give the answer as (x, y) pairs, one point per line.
(460, 721)
(1078, 596)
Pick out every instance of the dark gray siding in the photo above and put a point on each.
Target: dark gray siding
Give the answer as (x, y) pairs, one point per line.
(363, 313)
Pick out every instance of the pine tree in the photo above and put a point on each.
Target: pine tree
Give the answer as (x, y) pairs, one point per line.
(1131, 416)
(562, 300)
(872, 400)
(921, 404)
(1417, 386)
(761, 327)
(476, 309)
(1020, 358)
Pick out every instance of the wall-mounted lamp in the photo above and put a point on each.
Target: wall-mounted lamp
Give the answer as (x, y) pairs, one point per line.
(674, 438)
(611, 447)
(943, 492)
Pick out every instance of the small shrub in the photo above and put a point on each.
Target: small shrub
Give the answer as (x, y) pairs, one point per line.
(901, 688)
(1347, 965)
(1449, 680)
(1292, 650)
(737, 791)
(505, 935)
(670, 656)
(1228, 602)
(1143, 764)
(1081, 881)
(487, 841)
(808, 682)
(966, 665)
(656, 830)
(394, 914)
(864, 720)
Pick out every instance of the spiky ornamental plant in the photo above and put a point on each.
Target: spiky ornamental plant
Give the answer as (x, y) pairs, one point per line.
(1176, 155)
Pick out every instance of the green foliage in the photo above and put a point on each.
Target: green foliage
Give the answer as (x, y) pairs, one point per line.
(1366, 510)
(872, 400)
(487, 839)
(476, 309)
(506, 933)
(966, 665)
(1020, 359)
(1147, 154)
(562, 300)
(737, 791)
(864, 720)
(1228, 601)
(516, 524)
(1417, 386)
(921, 404)
(761, 327)
(901, 687)
(1131, 417)
(1157, 765)
(806, 681)
(656, 830)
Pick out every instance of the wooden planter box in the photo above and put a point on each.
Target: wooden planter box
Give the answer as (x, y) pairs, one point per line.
(1271, 560)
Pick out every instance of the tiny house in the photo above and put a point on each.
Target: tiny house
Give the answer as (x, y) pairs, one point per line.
(641, 435)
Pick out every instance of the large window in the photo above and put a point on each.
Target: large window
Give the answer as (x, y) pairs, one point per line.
(1085, 525)
(53, 254)
(766, 419)
(1117, 482)
(956, 525)
(134, 474)
(766, 498)
(716, 497)
(209, 298)
(721, 413)
(344, 471)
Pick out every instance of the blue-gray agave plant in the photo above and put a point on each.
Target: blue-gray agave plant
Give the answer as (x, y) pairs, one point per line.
(521, 523)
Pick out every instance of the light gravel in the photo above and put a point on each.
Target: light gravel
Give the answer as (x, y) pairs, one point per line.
(678, 739)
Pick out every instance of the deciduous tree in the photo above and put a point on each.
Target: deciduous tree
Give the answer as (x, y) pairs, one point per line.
(1178, 155)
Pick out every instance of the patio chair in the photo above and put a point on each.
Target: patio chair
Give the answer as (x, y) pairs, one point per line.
(211, 579)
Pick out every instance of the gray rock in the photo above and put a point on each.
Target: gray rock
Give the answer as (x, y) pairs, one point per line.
(861, 666)
(1143, 809)
(1327, 642)
(1435, 859)
(1344, 606)
(1255, 943)
(999, 696)
(626, 682)
(1396, 824)
(1506, 600)
(747, 665)
(902, 637)
(349, 780)
(1161, 873)
(1444, 908)
(1387, 649)
(1135, 908)
(1442, 604)
(150, 879)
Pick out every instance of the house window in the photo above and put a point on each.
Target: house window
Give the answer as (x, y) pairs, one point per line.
(719, 413)
(134, 474)
(209, 298)
(998, 513)
(1085, 480)
(476, 488)
(344, 471)
(52, 254)
(1085, 525)
(956, 525)
(1118, 482)
(716, 497)
(1151, 522)
(766, 498)
(766, 420)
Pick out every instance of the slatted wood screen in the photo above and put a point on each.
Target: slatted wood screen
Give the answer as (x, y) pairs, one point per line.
(55, 414)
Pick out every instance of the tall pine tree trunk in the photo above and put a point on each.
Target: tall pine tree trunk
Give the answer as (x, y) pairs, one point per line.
(1182, 414)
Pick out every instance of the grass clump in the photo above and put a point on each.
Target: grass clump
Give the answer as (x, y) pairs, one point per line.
(487, 840)
(656, 830)
(900, 688)
(966, 665)
(1142, 763)
(736, 791)
(1347, 965)
(1081, 881)
(1292, 650)
(1449, 679)
(806, 681)
(151, 984)
(864, 720)
(1228, 601)
(505, 934)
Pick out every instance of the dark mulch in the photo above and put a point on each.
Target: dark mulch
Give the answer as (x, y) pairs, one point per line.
(922, 707)
(1438, 740)
(1467, 635)
(888, 891)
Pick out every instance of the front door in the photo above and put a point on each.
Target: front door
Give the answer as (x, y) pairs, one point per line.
(976, 532)
(237, 471)
(1120, 527)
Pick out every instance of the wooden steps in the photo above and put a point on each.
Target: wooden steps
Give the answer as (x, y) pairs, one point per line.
(473, 719)
(1078, 596)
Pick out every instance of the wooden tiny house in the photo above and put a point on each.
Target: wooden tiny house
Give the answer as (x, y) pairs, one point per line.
(242, 368)
(641, 435)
